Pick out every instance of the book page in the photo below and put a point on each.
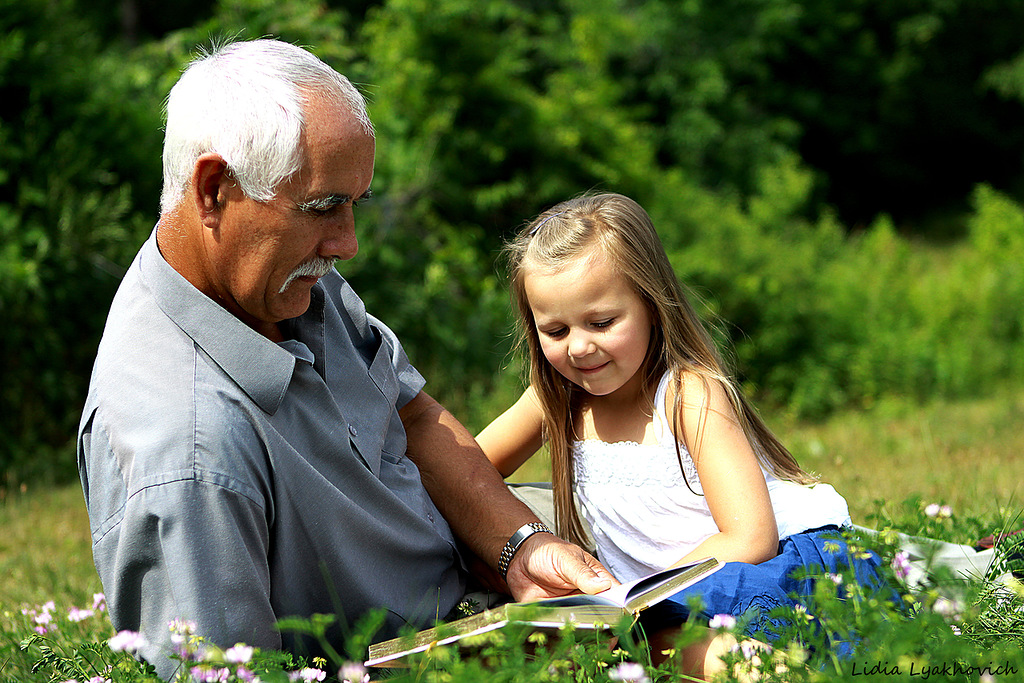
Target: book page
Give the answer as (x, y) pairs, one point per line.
(648, 590)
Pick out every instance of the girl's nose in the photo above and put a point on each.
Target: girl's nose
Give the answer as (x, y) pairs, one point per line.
(580, 345)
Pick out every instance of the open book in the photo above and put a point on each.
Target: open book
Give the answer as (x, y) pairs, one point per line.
(594, 612)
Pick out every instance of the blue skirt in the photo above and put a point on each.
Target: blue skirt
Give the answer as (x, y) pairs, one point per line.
(750, 592)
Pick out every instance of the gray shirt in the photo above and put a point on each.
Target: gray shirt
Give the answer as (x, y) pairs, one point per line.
(232, 481)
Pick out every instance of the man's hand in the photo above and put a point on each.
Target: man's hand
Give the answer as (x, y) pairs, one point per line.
(547, 567)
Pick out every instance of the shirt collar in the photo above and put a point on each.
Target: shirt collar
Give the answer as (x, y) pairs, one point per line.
(261, 368)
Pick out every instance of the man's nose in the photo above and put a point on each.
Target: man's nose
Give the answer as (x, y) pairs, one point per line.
(341, 243)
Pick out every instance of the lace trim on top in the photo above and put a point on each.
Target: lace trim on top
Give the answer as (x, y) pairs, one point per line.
(632, 464)
(600, 462)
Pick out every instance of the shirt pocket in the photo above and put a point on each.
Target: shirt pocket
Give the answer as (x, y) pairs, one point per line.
(375, 427)
(382, 374)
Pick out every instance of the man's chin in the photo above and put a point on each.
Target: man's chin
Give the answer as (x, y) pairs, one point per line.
(294, 301)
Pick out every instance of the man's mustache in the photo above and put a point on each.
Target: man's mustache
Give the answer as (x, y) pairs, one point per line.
(317, 267)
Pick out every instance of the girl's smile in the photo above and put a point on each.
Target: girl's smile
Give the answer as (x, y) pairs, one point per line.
(593, 327)
(593, 369)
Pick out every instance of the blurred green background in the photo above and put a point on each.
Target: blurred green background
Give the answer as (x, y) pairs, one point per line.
(840, 182)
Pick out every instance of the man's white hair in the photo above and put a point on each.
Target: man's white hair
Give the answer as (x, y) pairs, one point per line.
(245, 101)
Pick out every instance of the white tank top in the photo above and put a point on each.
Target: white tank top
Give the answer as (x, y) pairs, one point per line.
(644, 517)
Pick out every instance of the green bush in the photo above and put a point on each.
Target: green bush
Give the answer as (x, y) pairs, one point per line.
(490, 111)
(76, 126)
(819, 318)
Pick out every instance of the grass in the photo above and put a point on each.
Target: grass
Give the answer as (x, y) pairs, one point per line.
(963, 453)
(45, 551)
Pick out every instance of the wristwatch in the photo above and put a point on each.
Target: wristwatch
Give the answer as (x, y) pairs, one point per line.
(512, 547)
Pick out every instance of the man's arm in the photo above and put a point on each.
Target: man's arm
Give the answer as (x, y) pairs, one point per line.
(194, 551)
(482, 512)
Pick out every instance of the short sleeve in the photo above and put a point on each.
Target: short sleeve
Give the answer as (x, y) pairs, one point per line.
(410, 379)
(189, 549)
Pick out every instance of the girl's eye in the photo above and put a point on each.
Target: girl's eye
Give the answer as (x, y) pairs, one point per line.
(555, 333)
(603, 323)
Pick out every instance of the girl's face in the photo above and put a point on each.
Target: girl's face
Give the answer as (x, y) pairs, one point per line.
(593, 327)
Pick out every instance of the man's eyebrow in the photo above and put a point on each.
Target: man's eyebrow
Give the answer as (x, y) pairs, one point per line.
(323, 203)
(330, 201)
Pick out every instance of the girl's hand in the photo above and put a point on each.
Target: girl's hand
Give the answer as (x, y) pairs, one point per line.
(547, 567)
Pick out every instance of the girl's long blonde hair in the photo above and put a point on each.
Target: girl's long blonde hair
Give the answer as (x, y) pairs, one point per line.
(679, 340)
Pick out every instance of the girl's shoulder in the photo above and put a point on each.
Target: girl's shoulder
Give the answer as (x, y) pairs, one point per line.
(694, 389)
(688, 397)
(531, 397)
(698, 390)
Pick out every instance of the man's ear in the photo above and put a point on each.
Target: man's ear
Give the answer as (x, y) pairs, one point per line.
(211, 182)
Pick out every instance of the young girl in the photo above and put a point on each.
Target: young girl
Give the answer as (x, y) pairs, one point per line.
(667, 459)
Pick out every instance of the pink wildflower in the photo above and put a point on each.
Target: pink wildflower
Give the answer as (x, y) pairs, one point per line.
(750, 650)
(725, 621)
(245, 674)
(210, 675)
(182, 632)
(353, 672)
(182, 627)
(947, 608)
(76, 614)
(239, 654)
(127, 641)
(629, 672)
(901, 564)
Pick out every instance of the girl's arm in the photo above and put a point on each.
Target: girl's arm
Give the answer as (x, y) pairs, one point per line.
(730, 476)
(514, 435)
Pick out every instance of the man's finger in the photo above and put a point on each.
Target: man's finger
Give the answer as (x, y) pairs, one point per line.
(592, 577)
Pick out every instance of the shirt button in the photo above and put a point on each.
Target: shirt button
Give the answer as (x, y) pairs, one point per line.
(352, 430)
(430, 516)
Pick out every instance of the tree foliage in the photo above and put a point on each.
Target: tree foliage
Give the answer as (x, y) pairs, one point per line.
(785, 149)
(77, 186)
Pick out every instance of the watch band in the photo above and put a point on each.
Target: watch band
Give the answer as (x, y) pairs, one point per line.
(512, 547)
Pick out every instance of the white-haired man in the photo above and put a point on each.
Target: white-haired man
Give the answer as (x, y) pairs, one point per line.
(254, 444)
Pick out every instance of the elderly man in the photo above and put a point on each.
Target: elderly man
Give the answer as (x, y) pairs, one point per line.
(254, 444)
